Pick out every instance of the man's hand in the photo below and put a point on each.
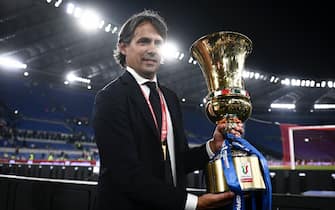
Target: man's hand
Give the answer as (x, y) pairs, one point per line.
(210, 201)
(220, 129)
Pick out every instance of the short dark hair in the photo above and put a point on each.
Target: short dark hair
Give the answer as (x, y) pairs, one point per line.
(127, 30)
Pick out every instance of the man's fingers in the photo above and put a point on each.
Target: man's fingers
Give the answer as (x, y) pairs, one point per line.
(224, 196)
(234, 126)
(236, 120)
(236, 132)
(236, 129)
(222, 199)
(211, 200)
(220, 127)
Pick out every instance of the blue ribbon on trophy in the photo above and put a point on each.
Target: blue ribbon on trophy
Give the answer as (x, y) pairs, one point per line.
(232, 178)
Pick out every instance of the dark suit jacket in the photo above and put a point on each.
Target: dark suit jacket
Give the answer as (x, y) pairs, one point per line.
(132, 170)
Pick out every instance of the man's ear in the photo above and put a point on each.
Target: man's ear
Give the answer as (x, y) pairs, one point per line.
(122, 48)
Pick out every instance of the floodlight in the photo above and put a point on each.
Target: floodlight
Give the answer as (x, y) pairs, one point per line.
(12, 63)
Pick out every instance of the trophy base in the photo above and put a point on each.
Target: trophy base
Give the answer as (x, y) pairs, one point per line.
(247, 170)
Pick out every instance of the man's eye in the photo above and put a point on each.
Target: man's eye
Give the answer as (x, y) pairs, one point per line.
(144, 41)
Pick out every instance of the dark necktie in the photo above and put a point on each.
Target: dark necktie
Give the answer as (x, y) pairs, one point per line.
(156, 106)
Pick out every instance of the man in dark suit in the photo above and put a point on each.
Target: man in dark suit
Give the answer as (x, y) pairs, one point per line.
(144, 152)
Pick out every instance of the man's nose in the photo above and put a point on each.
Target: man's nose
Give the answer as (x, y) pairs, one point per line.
(153, 48)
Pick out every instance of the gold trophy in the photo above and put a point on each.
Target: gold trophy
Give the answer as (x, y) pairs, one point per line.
(221, 57)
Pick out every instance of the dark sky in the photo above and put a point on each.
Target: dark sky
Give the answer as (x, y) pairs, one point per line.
(290, 38)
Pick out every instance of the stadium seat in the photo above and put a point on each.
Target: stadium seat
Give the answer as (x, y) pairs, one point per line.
(296, 181)
(85, 173)
(4, 168)
(71, 172)
(44, 171)
(60, 172)
(280, 181)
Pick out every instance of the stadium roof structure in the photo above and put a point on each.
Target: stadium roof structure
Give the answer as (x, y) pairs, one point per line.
(291, 62)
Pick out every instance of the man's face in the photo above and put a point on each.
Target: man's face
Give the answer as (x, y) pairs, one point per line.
(143, 52)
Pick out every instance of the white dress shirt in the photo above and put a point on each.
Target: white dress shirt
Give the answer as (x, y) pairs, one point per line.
(192, 200)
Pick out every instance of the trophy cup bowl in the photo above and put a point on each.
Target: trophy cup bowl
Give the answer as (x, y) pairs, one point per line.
(221, 57)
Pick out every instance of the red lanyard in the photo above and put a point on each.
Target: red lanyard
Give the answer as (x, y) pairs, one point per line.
(164, 118)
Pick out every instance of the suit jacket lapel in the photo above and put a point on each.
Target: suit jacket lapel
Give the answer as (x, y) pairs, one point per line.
(139, 99)
(170, 100)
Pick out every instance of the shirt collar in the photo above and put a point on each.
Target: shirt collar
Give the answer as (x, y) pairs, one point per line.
(139, 79)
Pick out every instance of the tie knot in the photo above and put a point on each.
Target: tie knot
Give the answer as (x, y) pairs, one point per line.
(151, 85)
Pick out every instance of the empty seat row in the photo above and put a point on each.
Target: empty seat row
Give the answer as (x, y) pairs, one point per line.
(49, 171)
